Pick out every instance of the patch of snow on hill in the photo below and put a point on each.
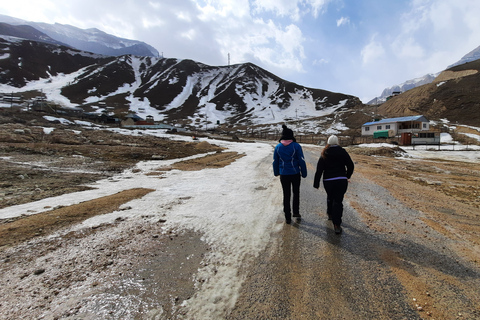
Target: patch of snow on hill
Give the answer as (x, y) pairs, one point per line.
(50, 87)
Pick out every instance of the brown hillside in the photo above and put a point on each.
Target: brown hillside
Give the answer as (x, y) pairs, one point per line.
(454, 95)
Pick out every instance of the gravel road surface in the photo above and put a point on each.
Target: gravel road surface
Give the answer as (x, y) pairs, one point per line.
(392, 269)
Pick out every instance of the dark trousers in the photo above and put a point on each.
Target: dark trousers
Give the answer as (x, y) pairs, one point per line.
(291, 184)
(335, 191)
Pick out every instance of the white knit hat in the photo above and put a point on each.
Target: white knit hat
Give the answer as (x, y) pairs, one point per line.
(332, 140)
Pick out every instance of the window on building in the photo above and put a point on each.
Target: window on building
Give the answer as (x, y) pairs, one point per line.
(426, 135)
(379, 127)
(424, 126)
(367, 128)
(387, 126)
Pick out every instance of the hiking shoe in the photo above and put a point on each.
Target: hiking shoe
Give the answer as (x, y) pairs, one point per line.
(288, 221)
(298, 219)
(337, 229)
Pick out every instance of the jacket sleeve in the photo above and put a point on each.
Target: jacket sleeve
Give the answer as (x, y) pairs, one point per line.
(318, 173)
(301, 162)
(276, 169)
(349, 164)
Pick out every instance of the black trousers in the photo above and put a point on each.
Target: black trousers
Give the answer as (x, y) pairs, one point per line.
(335, 191)
(291, 184)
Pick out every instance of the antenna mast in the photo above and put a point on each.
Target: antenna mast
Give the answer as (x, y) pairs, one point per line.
(228, 58)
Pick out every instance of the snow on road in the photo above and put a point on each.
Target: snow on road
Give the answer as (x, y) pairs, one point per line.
(235, 208)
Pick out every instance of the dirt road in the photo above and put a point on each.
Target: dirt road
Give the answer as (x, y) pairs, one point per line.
(389, 263)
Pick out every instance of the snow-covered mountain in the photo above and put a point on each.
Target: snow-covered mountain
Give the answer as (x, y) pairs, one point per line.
(177, 91)
(91, 40)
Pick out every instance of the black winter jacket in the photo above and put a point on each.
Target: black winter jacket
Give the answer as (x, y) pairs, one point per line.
(337, 163)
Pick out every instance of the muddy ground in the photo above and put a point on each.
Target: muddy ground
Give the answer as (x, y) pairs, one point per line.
(35, 165)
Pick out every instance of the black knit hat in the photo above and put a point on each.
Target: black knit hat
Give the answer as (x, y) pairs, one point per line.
(287, 134)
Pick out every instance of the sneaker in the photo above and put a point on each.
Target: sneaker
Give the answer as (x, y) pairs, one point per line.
(288, 221)
(337, 229)
(298, 219)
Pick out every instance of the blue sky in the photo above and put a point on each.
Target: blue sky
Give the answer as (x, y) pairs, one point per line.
(356, 47)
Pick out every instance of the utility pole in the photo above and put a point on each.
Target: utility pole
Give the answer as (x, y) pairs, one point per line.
(273, 115)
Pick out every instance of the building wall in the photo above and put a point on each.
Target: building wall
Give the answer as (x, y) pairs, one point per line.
(397, 127)
(369, 130)
(426, 138)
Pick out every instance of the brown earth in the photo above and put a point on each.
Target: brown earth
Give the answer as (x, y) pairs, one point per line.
(448, 195)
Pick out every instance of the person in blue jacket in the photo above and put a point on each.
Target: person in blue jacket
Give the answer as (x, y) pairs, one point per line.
(336, 166)
(289, 164)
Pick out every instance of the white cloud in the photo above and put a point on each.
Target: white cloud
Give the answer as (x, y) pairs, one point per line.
(149, 23)
(319, 62)
(435, 34)
(218, 9)
(343, 21)
(373, 51)
(265, 43)
(189, 34)
(408, 49)
(250, 39)
(294, 9)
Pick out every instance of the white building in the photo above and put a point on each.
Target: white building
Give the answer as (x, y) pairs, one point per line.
(396, 126)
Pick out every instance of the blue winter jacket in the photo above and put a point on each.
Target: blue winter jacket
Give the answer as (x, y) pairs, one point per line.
(288, 159)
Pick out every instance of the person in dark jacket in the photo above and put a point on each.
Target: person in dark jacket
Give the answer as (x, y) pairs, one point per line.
(336, 166)
(289, 164)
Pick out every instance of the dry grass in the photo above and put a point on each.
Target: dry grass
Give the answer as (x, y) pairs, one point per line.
(26, 228)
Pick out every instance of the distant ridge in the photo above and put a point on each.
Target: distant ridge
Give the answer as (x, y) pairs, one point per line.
(91, 40)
